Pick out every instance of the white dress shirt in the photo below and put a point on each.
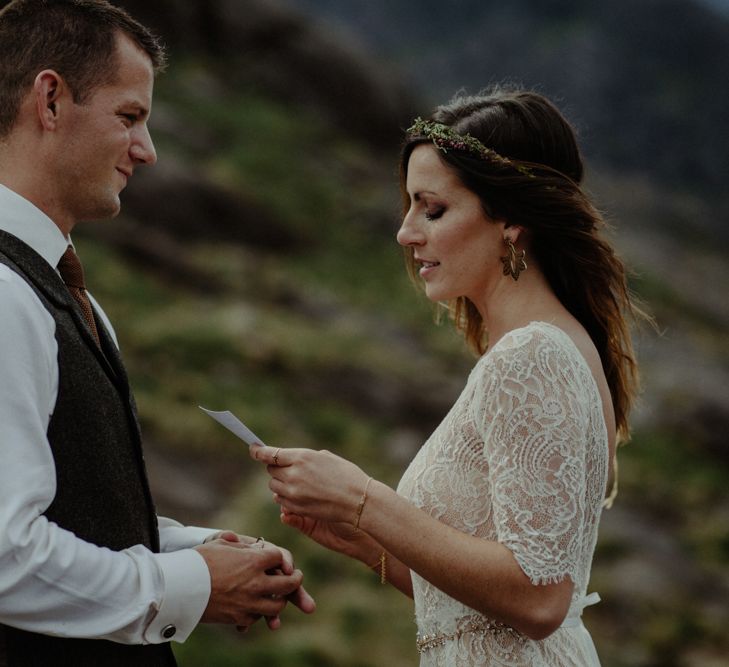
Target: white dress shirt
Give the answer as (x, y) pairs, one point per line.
(52, 582)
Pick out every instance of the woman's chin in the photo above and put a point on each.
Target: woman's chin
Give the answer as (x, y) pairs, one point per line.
(436, 295)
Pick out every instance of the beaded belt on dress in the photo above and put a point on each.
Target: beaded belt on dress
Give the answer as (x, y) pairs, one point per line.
(481, 625)
(486, 626)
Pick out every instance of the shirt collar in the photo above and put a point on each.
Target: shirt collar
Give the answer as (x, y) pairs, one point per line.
(33, 227)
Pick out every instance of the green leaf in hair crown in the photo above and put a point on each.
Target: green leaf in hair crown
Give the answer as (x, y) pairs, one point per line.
(446, 138)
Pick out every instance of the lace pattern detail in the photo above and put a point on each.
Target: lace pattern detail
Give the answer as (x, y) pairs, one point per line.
(522, 459)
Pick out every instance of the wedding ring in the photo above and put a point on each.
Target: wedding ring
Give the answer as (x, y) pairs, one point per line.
(261, 541)
(275, 457)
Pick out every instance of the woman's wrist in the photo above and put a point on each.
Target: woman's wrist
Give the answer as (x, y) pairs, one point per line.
(372, 509)
(361, 504)
(367, 549)
(380, 566)
(361, 546)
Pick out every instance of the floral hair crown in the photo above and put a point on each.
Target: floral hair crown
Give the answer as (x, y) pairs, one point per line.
(446, 138)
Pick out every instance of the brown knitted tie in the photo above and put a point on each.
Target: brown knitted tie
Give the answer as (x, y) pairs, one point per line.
(72, 273)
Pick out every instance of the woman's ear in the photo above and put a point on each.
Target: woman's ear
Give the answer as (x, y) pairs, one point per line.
(48, 89)
(513, 232)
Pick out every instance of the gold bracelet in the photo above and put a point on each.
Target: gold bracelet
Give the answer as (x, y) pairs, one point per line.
(362, 502)
(382, 562)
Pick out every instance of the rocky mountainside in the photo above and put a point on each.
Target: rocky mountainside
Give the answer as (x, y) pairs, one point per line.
(254, 269)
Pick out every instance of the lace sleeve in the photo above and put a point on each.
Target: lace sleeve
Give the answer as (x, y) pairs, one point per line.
(529, 407)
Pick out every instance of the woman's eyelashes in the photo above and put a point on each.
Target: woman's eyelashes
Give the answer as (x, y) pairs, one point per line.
(434, 212)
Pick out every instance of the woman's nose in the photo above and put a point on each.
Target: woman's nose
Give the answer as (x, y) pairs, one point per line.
(408, 234)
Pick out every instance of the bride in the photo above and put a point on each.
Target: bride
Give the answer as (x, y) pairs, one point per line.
(493, 526)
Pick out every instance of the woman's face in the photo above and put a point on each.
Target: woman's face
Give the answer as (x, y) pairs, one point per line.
(457, 247)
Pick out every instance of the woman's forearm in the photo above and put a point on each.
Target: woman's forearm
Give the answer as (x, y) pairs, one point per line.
(480, 573)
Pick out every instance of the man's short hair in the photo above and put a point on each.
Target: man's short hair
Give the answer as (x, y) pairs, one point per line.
(75, 38)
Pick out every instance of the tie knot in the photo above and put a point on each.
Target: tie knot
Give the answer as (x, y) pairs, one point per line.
(71, 270)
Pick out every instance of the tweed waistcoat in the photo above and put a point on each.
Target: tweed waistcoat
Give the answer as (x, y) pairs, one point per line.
(102, 493)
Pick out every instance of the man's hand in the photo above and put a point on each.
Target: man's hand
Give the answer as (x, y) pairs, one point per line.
(250, 579)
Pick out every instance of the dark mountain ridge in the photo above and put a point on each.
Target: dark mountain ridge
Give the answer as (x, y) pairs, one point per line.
(645, 82)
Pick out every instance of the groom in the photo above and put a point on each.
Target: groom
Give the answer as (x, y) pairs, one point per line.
(88, 573)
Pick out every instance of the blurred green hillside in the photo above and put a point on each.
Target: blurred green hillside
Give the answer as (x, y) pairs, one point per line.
(255, 269)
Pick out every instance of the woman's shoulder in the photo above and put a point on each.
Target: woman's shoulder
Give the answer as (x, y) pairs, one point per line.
(535, 339)
(538, 348)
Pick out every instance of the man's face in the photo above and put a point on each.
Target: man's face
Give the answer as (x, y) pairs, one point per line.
(105, 138)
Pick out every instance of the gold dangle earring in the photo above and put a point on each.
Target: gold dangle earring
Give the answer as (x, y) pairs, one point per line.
(514, 262)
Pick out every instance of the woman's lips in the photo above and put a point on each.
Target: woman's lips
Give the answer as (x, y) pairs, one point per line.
(427, 267)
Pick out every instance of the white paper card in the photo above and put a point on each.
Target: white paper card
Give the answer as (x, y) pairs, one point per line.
(235, 425)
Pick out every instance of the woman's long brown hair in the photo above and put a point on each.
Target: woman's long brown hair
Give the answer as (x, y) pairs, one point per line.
(564, 228)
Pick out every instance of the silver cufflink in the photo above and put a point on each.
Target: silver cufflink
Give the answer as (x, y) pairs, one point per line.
(169, 631)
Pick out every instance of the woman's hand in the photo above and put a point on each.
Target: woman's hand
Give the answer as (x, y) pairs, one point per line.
(320, 494)
(313, 484)
(343, 538)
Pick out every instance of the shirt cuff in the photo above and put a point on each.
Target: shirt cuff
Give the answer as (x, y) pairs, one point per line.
(186, 595)
(174, 537)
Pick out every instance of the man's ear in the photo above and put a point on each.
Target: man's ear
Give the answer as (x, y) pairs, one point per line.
(49, 88)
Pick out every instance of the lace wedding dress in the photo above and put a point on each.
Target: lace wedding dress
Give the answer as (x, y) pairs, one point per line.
(522, 459)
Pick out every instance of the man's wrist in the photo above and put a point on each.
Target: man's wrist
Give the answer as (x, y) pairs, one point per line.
(186, 594)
